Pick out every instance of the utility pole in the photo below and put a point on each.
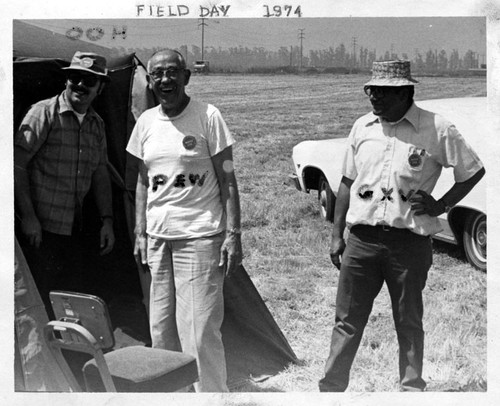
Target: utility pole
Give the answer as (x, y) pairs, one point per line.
(354, 43)
(474, 60)
(301, 37)
(186, 52)
(203, 24)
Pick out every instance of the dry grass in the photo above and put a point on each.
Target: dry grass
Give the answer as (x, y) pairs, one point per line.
(286, 244)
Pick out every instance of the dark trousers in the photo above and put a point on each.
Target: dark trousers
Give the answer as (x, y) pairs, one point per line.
(58, 264)
(374, 255)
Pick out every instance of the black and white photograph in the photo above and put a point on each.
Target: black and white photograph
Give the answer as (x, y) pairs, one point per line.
(233, 203)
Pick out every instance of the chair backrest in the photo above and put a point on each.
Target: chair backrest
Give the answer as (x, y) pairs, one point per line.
(86, 310)
(83, 325)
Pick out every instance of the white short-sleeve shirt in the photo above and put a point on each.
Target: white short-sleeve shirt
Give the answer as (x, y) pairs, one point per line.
(183, 194)
(388, 160)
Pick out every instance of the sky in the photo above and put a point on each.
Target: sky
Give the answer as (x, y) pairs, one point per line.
(398, 34)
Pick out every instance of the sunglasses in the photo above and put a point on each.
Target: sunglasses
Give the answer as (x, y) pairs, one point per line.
(380, 91)
(87, 80)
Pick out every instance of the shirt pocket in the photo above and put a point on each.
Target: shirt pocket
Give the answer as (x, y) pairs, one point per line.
(416, 158)
(411, 170)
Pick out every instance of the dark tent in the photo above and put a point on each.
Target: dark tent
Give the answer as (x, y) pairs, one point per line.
(30, 40)
(255, 345)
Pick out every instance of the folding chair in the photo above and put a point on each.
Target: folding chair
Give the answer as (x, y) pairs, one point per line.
(83, 325)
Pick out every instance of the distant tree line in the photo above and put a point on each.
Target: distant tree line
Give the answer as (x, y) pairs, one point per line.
(339, 59)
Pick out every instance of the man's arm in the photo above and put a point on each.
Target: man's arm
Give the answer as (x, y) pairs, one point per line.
(337, 245)
(231, 252)
(423, 203)
(141, 195)
(101, 187)
(30, 225)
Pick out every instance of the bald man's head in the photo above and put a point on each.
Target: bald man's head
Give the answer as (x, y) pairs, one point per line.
(170, 54)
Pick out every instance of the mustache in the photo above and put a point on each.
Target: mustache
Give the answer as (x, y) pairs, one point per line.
(79, 88)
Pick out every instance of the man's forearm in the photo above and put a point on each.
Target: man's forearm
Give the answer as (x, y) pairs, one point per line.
(341, 208)
(224, 170)
(22, 194)
(140, 204)
(460, 189)
(233, 207)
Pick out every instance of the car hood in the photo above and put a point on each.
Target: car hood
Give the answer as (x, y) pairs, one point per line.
(320, 144)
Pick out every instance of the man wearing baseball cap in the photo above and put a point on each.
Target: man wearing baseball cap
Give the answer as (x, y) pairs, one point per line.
(59, 155)
(393, 160)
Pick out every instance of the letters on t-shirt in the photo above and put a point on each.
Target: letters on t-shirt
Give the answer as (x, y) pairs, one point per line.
(180, 180)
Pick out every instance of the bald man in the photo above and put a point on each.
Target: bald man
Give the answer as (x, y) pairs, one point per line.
(187, 217)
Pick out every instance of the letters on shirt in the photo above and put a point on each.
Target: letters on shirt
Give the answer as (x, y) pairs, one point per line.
(387, 194)
(364, 193)
(158, 180)
(180, 180)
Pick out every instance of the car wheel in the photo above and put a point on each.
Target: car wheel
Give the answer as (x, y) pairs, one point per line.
(474, 239)
(326, 200)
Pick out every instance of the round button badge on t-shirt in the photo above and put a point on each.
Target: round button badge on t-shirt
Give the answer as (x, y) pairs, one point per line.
(189, 142)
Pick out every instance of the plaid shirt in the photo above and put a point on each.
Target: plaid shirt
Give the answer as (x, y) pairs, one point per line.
(64, 155)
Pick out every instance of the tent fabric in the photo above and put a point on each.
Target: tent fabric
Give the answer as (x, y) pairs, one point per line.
(32, 41)
(255, 345)
(36, 369)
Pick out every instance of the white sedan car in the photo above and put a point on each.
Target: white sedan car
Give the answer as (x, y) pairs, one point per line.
(317, 167)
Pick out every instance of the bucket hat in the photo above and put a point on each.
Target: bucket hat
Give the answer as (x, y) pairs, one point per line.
(391, 73)
(89, 62)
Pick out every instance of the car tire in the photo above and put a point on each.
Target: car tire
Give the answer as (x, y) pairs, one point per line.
(326, 200)
(474, 240)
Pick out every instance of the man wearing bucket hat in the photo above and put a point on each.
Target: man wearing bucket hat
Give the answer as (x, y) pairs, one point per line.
(393, 160)
(59, 155)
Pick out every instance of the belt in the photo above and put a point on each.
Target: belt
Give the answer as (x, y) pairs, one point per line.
(381, 227)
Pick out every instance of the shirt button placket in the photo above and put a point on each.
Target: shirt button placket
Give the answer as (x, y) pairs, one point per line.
(385, 175)
(78, 171)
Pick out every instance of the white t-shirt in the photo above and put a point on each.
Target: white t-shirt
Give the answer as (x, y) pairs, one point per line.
(183, 194)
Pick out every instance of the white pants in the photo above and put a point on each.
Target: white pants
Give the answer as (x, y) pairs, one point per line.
(187, 303)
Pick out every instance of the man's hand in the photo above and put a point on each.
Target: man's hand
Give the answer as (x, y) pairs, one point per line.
(337, 248)
(107, 237)
(231, 254)
(32, 230)
(424, 203)
(140, 250)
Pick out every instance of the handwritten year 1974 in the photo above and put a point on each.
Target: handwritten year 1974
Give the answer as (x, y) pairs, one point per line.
(282, 11)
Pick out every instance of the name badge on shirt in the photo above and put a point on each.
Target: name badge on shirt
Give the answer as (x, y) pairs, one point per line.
(415, 159)
(189, 142)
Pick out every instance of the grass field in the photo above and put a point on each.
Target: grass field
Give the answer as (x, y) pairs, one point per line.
(286, 244)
